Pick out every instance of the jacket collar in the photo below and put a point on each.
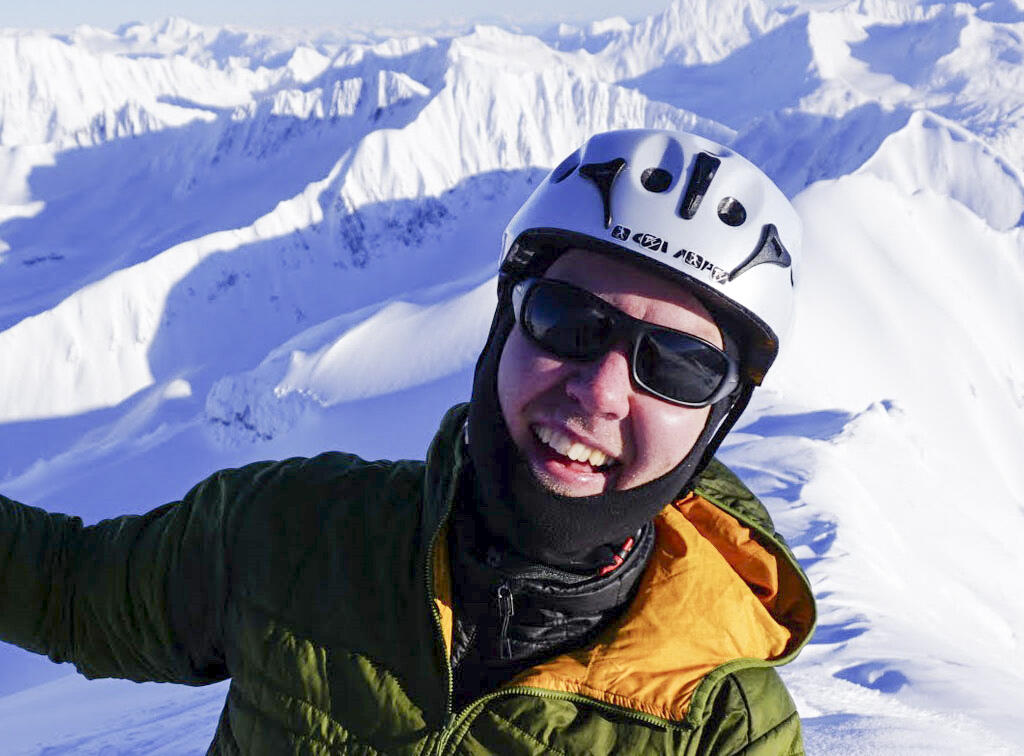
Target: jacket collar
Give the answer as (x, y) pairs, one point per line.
(721, 591)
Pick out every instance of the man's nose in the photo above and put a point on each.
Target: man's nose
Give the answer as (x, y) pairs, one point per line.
(603, 386)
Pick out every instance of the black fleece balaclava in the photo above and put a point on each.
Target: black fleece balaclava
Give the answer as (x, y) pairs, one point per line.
(565, 531)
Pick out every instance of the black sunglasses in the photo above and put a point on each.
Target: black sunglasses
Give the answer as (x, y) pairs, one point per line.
(574, 324)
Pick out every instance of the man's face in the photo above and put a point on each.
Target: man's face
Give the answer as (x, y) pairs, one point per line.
(595, 404)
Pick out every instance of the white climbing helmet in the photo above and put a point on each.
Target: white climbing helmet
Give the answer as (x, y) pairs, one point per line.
(694, 208)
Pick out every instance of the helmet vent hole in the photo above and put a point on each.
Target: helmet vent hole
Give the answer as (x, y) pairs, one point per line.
(732, 212)
(656, 180)
(567, 166)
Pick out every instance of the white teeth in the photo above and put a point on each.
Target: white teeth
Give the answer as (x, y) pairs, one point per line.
(574, 450)
(577, 452)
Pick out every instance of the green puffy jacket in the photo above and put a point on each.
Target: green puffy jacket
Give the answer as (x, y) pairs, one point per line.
(320, 586)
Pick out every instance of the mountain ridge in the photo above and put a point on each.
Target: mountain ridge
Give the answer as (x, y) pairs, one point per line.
(219, 244)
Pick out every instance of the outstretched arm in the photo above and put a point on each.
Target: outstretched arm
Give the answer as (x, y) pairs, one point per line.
(139, 597)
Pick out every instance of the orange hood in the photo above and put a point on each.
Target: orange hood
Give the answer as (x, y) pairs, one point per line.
(713, 593)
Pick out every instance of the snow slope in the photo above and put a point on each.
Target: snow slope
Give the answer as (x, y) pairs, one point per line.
(219, 245)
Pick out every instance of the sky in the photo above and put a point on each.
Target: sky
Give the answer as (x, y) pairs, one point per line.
(64, 14)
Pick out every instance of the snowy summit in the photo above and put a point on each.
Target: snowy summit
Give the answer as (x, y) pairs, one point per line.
(220, 245)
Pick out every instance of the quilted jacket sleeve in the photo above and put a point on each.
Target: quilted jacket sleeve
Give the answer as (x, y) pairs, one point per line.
(140, 597)
(753, 715)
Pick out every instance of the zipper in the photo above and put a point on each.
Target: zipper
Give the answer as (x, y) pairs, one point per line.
(438, 630)
(457, 722)
(461, 721)
(506, 608)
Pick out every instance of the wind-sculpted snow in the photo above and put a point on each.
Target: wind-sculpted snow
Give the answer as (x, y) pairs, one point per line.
(797, 148)
(689, 33)
(351, 357)
(594, 38)
(218, 245)
(731, 89)
(914, 303)
(53, 92)
(932, 154)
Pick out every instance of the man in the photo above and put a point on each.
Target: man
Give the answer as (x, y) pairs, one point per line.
(569, 571)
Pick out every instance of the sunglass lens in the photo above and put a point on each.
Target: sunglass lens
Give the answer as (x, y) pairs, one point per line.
(566, 322)
(678, 367)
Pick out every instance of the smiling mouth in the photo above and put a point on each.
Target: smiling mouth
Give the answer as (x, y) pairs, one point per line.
(572, 450)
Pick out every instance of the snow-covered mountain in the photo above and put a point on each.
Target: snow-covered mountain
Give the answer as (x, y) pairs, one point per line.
(219, 245)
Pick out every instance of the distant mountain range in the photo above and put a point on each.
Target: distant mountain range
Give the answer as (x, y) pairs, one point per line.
(219, 245)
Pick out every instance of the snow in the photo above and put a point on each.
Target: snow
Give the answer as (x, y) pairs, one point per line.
(184, 718)
(220, 245)
(934, 154)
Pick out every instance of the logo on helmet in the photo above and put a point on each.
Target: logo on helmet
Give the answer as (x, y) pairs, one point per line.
(650, 241)
(657, 244)
(644, 239)
(718, 275)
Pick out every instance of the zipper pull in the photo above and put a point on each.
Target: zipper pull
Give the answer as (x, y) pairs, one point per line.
(506, 608)
(619, 558)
